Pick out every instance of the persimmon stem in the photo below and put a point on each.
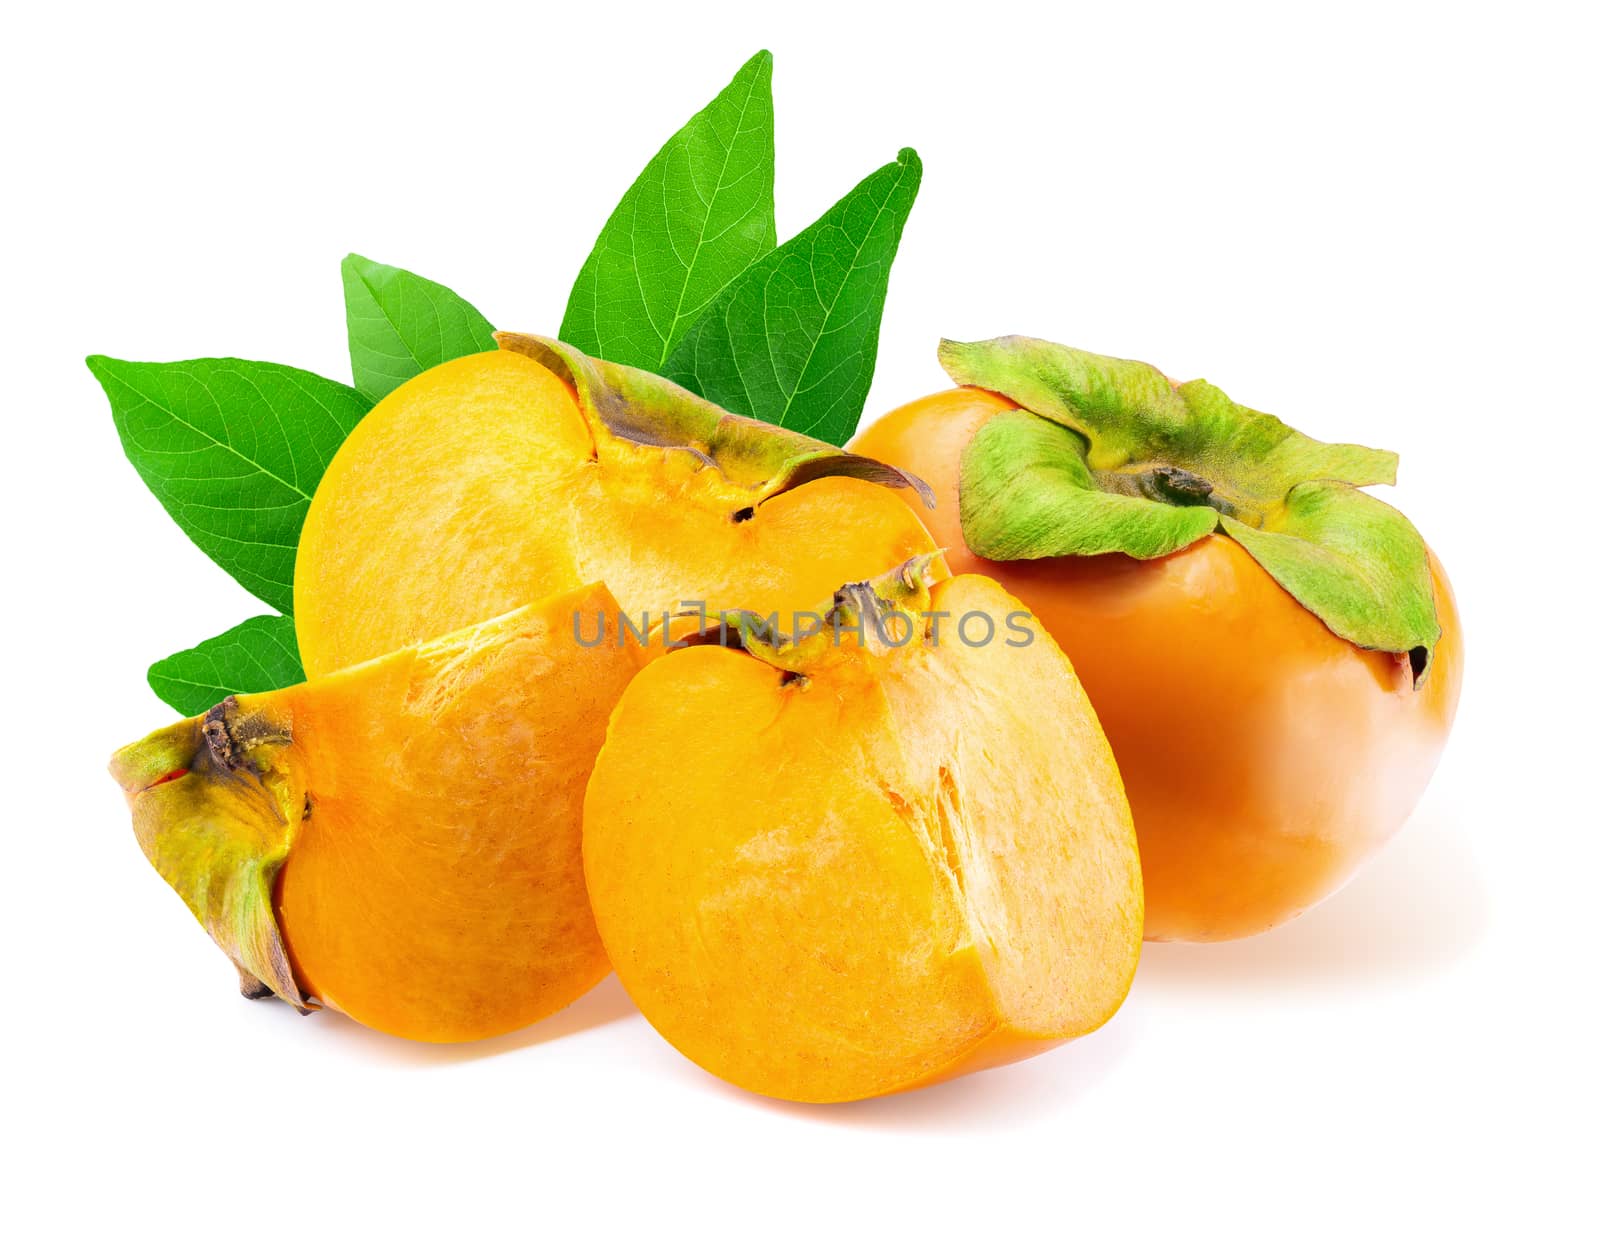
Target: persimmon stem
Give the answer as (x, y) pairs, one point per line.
(1180, 485)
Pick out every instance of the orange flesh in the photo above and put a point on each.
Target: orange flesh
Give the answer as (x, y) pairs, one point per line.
(895, 871)
(436, 889)
(480, 486)
(1264, 757)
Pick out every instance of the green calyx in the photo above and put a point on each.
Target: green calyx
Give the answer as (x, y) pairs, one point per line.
(640, 407)
(216, 809)
(1110, 456)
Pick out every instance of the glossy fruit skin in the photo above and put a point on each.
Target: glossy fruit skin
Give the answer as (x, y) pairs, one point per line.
(481, 485)
(1265, 758)
(852, 884)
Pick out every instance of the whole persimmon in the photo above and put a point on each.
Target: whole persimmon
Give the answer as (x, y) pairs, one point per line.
(400, 841)
(884, 850)
(1275, 655)
(499, 478)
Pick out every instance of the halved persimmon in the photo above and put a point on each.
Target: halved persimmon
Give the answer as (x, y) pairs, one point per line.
(842, 864)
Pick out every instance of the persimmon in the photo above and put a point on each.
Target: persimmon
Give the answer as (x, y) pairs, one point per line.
(1275, 655)
(872, 855)
(498, 478)
(399, 841)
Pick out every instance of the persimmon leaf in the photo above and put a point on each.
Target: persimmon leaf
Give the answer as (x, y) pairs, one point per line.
(254, 656)
(793, 340)
(233, 449)
(400, 324)
(699, 213)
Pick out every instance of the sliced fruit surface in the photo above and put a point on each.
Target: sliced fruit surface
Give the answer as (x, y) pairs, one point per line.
(501, 477)
(827, 872)
(399, 841)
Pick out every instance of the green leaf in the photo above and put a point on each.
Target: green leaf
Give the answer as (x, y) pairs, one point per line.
(233, 450)
(401, 325)
(693, 220)
(258, 655)
(794, 339)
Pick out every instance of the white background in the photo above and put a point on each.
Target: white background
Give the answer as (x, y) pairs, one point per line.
(1376, 221)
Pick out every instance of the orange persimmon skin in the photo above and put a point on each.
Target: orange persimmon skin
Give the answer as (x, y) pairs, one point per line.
(1265, 758)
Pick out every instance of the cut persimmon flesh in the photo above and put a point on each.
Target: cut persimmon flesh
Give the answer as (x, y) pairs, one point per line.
(827, 870)
(399, 841)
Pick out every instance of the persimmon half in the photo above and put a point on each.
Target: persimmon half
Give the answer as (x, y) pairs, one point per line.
(499, 478)
(400, 841)
(1272, 730)
(883, 851)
